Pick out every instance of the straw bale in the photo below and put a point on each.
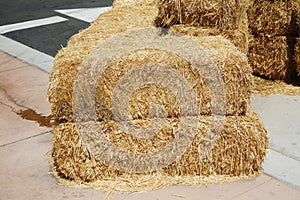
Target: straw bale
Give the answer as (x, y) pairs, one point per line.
(239, 37)
(231, 63)
(119, 3)
(222, 14)
(297, 55)
(270, 56)
(82, 44)
(237, 154)
(273, 17)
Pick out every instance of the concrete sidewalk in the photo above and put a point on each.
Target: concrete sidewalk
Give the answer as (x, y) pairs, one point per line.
(24, 168)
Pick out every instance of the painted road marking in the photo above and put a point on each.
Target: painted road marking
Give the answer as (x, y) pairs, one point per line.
(84, 14)
(31, 24)
(27, 54)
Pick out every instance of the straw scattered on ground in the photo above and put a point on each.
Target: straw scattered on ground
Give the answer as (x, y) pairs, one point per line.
(268, 87)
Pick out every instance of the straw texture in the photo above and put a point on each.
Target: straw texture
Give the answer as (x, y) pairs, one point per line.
(119, 3)
(238, 153)
(231, 63)
(270, 57)
(68, 59)
(238, 37)
(273, 17)
(221, 14)
(238, 149)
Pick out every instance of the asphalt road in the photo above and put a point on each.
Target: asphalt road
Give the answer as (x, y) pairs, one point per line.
(48, 38)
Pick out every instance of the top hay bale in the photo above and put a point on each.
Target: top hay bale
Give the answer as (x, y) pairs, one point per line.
(119, 3)
(232, 64)
(273, 17)
(222, 14)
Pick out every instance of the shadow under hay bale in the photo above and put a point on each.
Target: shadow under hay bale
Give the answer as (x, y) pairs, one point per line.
(221, 14)
(273, 17)
(237, 154)
(272, 57)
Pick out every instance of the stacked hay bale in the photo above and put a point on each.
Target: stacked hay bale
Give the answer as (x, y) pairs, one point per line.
(239, 148)
(274, 30)
(218, 17)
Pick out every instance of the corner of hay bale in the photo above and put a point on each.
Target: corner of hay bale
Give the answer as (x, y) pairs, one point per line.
(80, 45)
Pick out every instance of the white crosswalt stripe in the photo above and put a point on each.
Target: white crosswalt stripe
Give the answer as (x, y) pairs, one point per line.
(25, 53)
(31, 24)
(84, 14)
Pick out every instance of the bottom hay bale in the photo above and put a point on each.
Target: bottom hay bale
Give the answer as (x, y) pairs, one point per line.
(237, 154)
(270, 57)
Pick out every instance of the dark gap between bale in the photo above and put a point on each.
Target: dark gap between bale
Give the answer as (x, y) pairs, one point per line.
(296, 78)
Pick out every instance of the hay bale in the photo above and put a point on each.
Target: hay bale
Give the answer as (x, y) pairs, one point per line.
(237, 154)
(119, 3)
(297, 55)
(231, 63)
(273, 17)
(238, 37)
(222, 14)
(270, 57)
